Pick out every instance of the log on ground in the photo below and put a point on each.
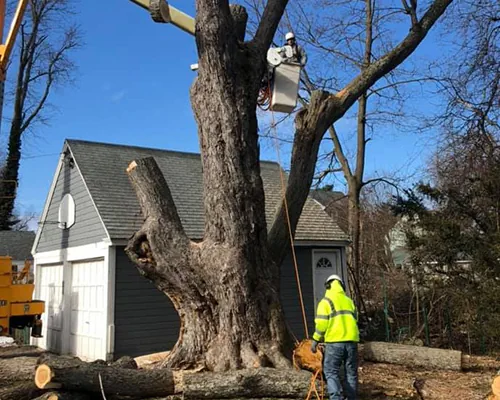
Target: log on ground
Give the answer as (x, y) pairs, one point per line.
(17, 369)
(20, 351)
(65, 396)
(247, 384)
(413, 356)
(83, 377)
(19, 391)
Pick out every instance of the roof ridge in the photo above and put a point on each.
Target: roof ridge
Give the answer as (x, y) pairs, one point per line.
(126, 146)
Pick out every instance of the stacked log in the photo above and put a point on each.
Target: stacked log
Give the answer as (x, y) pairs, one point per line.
(17, 378)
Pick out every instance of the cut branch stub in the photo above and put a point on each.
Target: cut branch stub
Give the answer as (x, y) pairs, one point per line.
(240, 18)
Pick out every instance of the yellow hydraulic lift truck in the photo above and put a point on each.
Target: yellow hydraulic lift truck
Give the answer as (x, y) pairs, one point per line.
(17, 309)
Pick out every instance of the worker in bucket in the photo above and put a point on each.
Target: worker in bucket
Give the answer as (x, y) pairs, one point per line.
(299, 54)
(337, 327)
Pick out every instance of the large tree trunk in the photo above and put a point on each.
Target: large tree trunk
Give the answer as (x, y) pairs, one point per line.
(226, 288)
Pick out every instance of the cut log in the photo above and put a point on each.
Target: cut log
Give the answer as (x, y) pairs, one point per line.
(19, 391)
(65, 396)
(495, 386)
(20, 351)
(82, 377)
(17, 369)
(247, 384)
(413, 356)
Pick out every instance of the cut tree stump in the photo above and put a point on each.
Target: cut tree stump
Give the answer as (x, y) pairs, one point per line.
(75, 375)
(19, 391)
(17, 369)
(495, 387)
(413, 356)
(247, 384)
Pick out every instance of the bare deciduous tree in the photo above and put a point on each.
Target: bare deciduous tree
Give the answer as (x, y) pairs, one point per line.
(226, 287)
(45, 46)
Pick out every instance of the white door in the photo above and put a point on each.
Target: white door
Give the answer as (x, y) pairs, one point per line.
(51, 291)
(325, 263)
(88, 306)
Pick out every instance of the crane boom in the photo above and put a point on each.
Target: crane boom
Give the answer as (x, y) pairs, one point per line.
(161, 11)
(6, 48)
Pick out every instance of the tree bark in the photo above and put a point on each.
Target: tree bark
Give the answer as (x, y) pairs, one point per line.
(250, 383)
(17, 369)
(65, 396)
(19, 391)
(83, 377)
(225, 296)
(413, 356)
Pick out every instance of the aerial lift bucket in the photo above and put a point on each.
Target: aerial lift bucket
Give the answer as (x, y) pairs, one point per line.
(285, 87)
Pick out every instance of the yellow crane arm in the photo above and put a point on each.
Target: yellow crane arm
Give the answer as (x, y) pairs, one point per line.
(6, 48)
(161, 11)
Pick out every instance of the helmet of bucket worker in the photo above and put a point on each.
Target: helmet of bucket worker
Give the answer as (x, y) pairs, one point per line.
(289, 36)
(331, 278)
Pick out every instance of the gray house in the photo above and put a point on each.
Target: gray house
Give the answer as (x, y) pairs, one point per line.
(98, 306)
(17, 245)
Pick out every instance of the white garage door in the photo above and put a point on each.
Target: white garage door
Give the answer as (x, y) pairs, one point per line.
(51, 290)
(88, 317)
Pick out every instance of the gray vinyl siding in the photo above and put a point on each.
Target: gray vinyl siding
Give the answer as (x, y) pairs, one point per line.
(290, 295)
(88, 227)
(145, 319)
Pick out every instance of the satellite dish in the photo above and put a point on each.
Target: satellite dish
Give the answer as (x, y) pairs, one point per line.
(66, 212)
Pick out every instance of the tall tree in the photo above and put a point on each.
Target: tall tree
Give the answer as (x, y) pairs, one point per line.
(226, 287)
(46, 43)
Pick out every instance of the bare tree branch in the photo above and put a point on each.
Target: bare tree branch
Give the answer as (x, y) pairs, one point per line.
(269, 24)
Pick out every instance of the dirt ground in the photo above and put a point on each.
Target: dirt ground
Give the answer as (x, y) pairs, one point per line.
(385, 381)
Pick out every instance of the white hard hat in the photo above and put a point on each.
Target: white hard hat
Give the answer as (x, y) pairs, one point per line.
(289, 36)
(334, 278)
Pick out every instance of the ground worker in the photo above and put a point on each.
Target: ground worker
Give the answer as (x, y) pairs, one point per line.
(299, 54)
(337, 327)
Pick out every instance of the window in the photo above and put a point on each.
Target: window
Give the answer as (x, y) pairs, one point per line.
(324, 263)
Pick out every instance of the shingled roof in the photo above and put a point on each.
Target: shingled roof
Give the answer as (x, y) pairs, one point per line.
(17, 244)
(103, 168)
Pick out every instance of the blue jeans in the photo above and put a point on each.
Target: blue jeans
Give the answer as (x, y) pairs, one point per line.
(336, 354)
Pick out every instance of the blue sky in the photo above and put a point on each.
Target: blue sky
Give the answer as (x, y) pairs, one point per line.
(132, 87)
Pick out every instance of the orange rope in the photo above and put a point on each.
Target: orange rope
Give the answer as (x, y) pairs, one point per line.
(290, 233)
(312, 386)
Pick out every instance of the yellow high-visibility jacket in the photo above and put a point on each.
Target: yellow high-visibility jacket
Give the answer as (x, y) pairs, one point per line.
(336, 317)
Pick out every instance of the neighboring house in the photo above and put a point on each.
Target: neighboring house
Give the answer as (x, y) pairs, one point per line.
(98, 306)
(17, 244)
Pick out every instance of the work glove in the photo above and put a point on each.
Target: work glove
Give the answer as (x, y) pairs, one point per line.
(314, 346)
